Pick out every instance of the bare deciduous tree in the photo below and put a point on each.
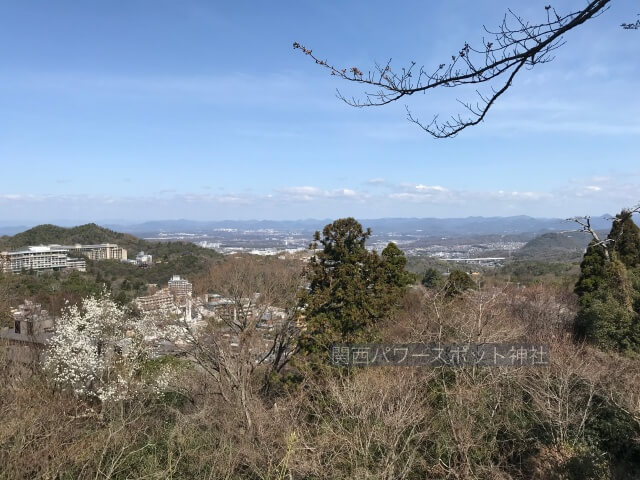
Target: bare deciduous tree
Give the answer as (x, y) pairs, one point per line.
(515, 45)
(255, 328)
(586, 227)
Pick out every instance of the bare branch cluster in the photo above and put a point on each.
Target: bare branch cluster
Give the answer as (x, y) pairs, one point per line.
(585, 226)
(515, 44)
(631, 26)
(232, 348)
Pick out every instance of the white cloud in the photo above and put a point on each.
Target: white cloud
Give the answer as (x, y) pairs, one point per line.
(434, 188)
(581, 196)
(376, 181)
(308, 193)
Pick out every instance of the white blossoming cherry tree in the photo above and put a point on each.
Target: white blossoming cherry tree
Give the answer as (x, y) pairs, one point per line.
(101, 351)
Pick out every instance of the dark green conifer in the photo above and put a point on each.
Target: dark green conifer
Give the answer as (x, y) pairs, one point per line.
(608, 289)
(457, 283)
(432, 278)
(351, 289)
(625, 236)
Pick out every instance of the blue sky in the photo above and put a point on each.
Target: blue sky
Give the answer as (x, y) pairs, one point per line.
(141, 110)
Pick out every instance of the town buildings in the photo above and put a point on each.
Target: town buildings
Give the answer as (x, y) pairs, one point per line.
(175, 297)
(143, 259)
(158, 301)
(31, 330)
(180, 287)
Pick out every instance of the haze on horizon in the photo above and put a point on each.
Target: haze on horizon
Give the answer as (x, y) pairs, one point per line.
(152, 110)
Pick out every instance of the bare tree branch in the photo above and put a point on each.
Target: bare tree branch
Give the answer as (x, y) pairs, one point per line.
(515, 44)
(632, 26)
(585, 224)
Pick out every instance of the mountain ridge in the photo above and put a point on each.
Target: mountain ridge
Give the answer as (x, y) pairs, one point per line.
(427, 226)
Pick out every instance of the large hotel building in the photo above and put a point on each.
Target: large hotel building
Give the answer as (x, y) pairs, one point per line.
(56, 257)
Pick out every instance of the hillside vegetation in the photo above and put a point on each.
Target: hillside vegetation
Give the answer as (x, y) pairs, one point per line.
(556, 247)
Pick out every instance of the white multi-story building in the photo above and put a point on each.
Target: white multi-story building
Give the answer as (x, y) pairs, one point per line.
(40, 258)
(143, 259)
(56, 257)
(102, 251)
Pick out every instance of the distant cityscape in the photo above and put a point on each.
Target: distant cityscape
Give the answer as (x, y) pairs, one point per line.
(470, 249)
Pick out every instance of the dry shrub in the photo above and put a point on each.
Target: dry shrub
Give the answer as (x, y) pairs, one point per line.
(372, 423)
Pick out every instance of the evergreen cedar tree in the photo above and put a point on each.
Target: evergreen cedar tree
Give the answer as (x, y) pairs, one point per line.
(609, 290)
(457, 283)
(351, 289)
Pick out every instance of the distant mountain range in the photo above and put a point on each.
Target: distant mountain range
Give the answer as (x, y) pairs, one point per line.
(423, 226)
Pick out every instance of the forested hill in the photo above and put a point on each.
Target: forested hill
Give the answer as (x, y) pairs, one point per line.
(92, 234)
(52, 234)
(555, 246)
(168, 253)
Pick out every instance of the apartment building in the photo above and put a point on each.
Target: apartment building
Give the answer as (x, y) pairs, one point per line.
(160, 300)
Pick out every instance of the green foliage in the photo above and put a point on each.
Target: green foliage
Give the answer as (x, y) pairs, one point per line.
(605, 323)
(592, 273)
(351, 289)
(606, 316)
(419, 263)
(78, 284)
(432, 278)
(626, 239)
(170, 258)
(614, 431)
(526, 272)
(457, 283)
(553, 247)
(608, 289)
(394, 267)
(586, 463)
